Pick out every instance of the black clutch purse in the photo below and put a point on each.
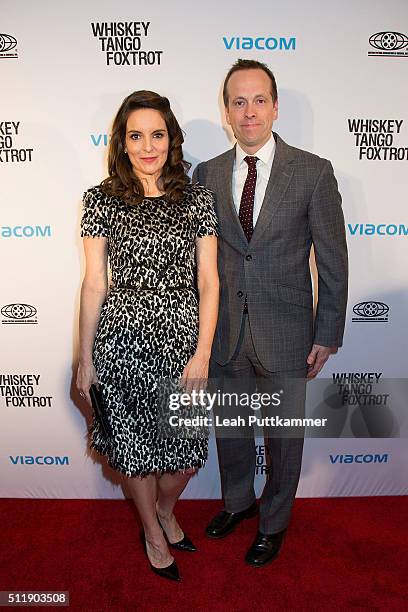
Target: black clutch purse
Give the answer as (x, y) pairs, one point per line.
(100, 410)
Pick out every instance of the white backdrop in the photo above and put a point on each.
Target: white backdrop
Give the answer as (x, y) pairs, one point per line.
(59, 96)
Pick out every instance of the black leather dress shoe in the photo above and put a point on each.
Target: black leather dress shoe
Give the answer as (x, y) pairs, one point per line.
(265, 548)
(225, 522)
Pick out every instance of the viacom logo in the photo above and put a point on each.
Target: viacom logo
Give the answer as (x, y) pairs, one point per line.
(25, 231)
(382, 229)
(7, 44)
(19, 314)
(360, 458)
(38, 460)
(262, 43)
(99, 140)
(371, 312)
(389, 44)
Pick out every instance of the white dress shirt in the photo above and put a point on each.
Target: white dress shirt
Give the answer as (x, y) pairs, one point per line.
(265, 156)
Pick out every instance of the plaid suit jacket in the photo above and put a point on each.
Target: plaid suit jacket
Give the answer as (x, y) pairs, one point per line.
(301, 207)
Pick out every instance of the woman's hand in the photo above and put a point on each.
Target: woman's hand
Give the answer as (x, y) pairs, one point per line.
(195, 373)
(86, 376)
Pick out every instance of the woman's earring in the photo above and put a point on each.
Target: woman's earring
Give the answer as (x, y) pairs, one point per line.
(125, 151)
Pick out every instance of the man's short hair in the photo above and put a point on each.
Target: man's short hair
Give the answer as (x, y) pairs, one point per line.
(245, 64)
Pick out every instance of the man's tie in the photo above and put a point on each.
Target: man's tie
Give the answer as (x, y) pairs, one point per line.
(246, 208)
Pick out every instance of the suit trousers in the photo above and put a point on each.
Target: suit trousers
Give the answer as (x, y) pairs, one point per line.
(237, 451)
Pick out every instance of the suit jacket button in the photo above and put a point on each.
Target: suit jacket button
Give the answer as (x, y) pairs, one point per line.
(240, 294)
(248, 257)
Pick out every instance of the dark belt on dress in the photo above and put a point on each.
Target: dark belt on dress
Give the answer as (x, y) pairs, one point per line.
(154, 289)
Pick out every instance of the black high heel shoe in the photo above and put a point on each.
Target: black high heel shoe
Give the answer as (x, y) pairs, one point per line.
(185, 544)
(170, 572)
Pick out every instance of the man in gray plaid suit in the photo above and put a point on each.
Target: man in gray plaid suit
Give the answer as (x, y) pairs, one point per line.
(273, 202)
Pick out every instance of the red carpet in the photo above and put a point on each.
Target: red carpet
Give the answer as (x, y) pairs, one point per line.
(348, 553)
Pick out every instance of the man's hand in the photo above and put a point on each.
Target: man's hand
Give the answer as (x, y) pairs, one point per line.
(318, 357)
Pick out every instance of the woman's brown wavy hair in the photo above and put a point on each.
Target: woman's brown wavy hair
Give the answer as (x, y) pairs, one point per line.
(122, 182)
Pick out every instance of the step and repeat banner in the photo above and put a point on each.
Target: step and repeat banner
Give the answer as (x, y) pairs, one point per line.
(65, 67)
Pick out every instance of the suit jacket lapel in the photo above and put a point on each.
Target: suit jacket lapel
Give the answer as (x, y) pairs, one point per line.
(279, 180)
(227, 202)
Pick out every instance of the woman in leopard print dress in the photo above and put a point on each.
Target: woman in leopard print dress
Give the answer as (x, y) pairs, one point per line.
(157, 320)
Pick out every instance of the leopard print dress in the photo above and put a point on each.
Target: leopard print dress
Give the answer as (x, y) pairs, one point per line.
(148, 328)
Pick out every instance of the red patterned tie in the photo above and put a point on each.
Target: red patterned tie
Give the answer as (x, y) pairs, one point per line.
(246, 208)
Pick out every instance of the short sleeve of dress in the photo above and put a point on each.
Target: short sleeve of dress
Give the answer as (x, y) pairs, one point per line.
(207, 223)
(94, 220)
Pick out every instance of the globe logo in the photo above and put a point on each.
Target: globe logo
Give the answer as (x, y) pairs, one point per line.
(388, 41)
(18, 311)
(7, 42)
(368, 310)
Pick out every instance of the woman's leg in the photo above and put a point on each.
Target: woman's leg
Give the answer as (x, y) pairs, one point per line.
(144, 494)
(169, 489)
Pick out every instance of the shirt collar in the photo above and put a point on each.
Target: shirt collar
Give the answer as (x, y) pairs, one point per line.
(264, 154)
